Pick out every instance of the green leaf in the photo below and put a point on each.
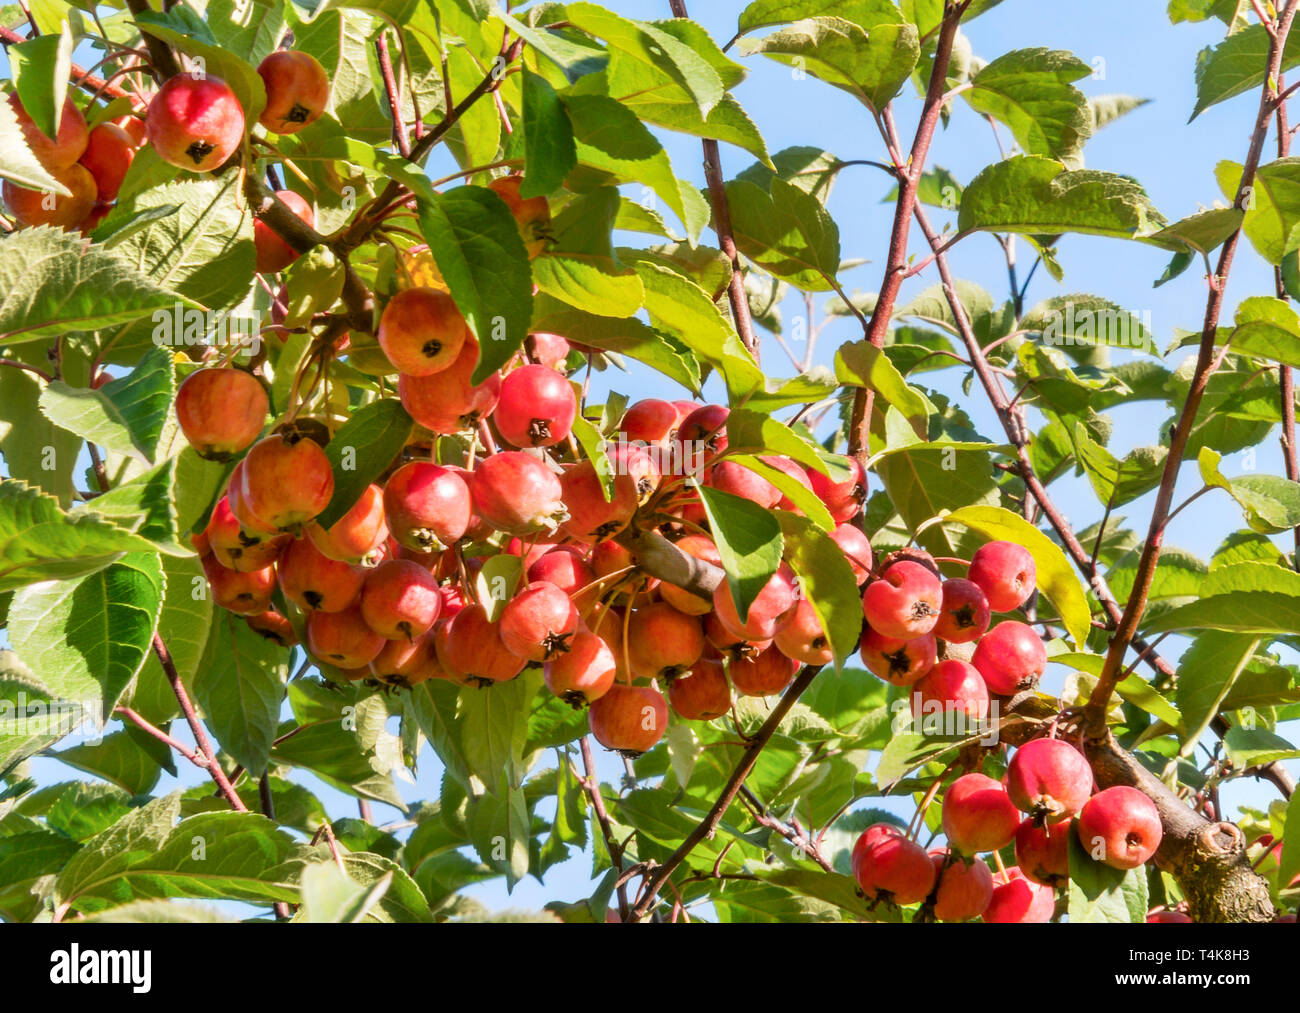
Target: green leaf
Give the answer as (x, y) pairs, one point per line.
(1273, 209)
(749, 541)
(119, 759)
(17, 163)
(1267, 328)
(1099, 893)
(1258, 598)
(1206, 674)
(767, 13)
(826, 580)
(862, 364)
(494, 726)
(498, 826)
(24, 859)
(1032, 91)
(86, 639)
(362, 450)
(40, 68)
(432, 705)
(1288, 865)
(1056, 577)
(1238, 64)
(1270, 503)
(1036, 196)
(1257, 747)
(549, 150)
(786, 231)
(126, 415)
(22, 697)
(480, 253)
(330, 895)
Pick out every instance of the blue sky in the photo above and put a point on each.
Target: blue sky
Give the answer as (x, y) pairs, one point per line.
(1134, 50)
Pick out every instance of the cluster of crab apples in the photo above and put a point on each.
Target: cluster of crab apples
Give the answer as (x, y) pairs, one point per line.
(194, 121)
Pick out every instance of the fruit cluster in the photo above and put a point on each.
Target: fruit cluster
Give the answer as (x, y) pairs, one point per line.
(193, 121)
(1048, 789)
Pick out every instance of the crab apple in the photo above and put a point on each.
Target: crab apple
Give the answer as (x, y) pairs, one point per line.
(406, 663)
(856, 548)
(650, 421)
(904, 602)
(55, 154)
(195, 122)
(868, 839)
(221, 411)
(728, 644)
(531, 214)
(950, 687)
(1120, 827)
(702, 433)
(582, 673)
(400, 599)
(963, 612)
(273, 253)
(773, 601)
(1019, 900)
(628, 719)
(702, 694)
(662, 643)
(421, 331)
(1043, 851)
(1005, 572)
(274, 627)
(472, 649)
(736, 479)
(1175, 918)
(245, 593)
(316, 583)
(529, 551)
(843, 498)
(428, 507)
(1049, 779)
(699, 547)
(109, 153)
(802, 637)
(45, 207)
(898, 662)
(517, 494)
(249, 522)
(297, 91)
(447, 402)
(768, 673)
(133, 124)
(539, 622)
(978, 815)
(287, 480)
(358, 534)
(547, 349)
(536, 408)
(609, 559)
(343, 639)
(964, 890)
(1010, 656)
(795, 474)
(592, 517)
(566, 570)
(895, 869)
(237, 549)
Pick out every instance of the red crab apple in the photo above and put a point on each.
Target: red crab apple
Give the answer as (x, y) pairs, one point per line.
(539, 622)
(802, 637)
(857, 550)
(772, 602)
(896, 870)
(592, 517)
(951, 687)
(343, 639)
(400, 599)
(273, 253)
(963, 612)
(1005, 573)
(699, 547)
(297, 91)
(629, 719)
(448, 402)
(978, 815)
(245, 593)
(1174, 918)
(795, 474)
(287, 480)
(1043, 851)
(868, 839)
(1120, 827)
(237, 549)
(471, 649)
(904, 603)
(221, 411)
(662, 643)
(406, 663)
(195, 122)
(768, 673)
(702, 433)
(609, 559)
(1019, 900)
(1049, 779)
(729, 644)
(583, 673)
(1010, 656)
(843, 498)
(45, 207)
(55, 154)
(428, 507)
(357, 536)
(109, 153)
(274, 627)
(547, 349)
(536, 408)
(900, 662)
(517, 494)
(736, 479)
(316, 583)
(531, 214)
(650, 421)
(421, 331)
(965, 888)
(564, 567)
(701, 694)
